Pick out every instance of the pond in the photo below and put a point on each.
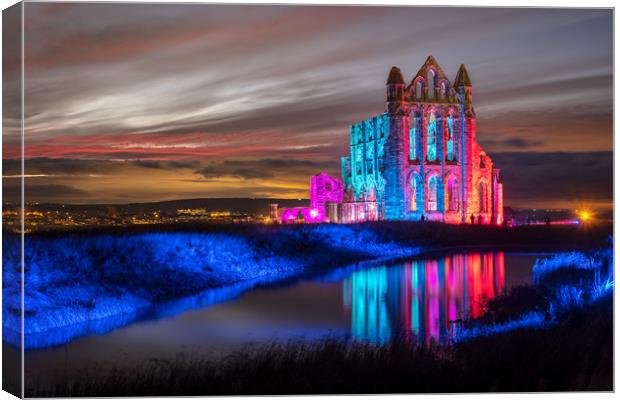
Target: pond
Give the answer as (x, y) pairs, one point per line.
(420, 297)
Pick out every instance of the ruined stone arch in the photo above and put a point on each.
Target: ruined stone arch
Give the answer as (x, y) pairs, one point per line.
(483, 195)
(450, 111)
(450, 141)
(370, 189)
(431, 82)
(415, 191)
(360, 193)
(433, 184)
(453, 194)
(444, 89)
(418, 86)
(431, 132)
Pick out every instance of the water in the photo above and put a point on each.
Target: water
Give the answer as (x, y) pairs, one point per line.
(424, 297)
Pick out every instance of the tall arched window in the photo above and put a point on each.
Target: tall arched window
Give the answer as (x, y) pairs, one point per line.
(482, 197)
(431, 202)
(453, 195)
(417, 193)
(431, 138)
(431, 83)
(412, 147)
(418, 89)
(450, 138)
(414, 194)
(445, 90)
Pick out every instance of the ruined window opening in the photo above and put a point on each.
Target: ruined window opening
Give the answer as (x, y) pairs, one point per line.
(414, 194)
(431, 84)
(482, 197)
(418, 89)
(412, 145)
(450, 138)
(431, 138)
(453, 195)
(431, 204)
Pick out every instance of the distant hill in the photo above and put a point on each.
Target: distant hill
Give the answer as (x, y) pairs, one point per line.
(234, 205)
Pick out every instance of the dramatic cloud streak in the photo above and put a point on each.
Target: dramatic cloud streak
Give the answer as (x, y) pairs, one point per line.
(224, 89)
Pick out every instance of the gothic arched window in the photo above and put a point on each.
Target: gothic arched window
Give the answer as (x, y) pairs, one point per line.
(418, 89)
(431, 138)
(445, 90)
(431, 200)
(450, 138)
(412, 148)
(453, 195)
(414, 195)
(482, 197)
(431, 83)
(417, 194)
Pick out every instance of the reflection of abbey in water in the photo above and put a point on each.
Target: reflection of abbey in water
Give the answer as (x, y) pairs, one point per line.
(420, 159)
(421, 298)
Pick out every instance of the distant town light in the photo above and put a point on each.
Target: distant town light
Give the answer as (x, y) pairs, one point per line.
(585, 216)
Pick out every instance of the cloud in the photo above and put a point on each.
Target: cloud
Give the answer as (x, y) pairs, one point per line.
(265, 168)
(557, 179)
(531, 179)
(67, 167)
(49, 193)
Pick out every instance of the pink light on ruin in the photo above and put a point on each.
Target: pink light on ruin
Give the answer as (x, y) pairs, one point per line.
(324, 189)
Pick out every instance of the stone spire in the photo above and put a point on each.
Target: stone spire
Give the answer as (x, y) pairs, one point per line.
(462, 85)
(462, 77)
(395, 77)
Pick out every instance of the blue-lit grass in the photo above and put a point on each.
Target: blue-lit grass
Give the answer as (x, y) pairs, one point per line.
(93, 283)
(565, 284)
(94, 280)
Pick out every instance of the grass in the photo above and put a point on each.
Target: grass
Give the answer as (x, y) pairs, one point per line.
(72, 280)
(575, 354)
(554, 336)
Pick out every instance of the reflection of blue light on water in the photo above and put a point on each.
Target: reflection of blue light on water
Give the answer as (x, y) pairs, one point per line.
(369, 309)
(415, 302)
(64, 334)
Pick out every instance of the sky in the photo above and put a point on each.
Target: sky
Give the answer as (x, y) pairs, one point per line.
(147, 102)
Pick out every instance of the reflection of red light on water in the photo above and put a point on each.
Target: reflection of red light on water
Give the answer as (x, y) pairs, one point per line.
(499, 269)
(433, 292)
(425, 298)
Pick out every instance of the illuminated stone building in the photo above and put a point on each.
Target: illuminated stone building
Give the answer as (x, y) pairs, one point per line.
(420, 159)
(326, 195)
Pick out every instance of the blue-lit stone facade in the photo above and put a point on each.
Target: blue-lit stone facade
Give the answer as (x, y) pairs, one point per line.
(420, 159)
